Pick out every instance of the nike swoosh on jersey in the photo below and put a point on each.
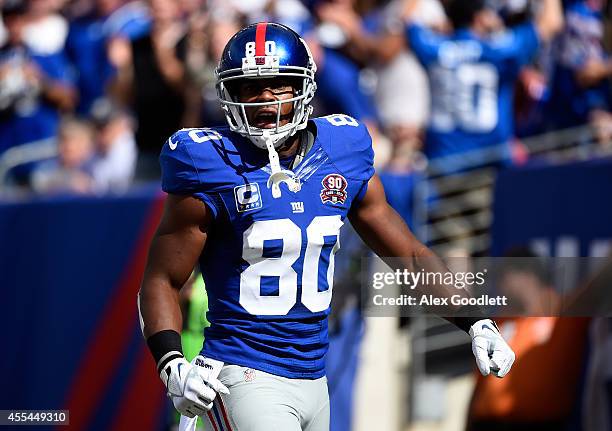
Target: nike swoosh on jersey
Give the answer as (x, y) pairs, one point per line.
(171, 144)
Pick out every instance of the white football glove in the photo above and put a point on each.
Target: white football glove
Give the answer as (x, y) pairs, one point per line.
(192, 387)
(493, 355)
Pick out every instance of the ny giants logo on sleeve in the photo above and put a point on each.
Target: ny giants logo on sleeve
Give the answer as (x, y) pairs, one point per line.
(334, 189)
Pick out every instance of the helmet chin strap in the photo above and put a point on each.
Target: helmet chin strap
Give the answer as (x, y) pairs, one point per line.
(278, 175)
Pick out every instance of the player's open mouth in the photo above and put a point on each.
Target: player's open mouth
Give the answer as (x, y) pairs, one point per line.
(265, 118)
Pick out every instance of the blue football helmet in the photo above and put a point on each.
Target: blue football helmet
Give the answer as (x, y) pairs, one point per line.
(265, 50)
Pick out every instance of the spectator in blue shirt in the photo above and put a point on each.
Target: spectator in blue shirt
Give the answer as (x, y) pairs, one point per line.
(34, 88)
(88, 40)
(581, 83)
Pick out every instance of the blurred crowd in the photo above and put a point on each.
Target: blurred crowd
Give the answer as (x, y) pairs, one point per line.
(109, 80)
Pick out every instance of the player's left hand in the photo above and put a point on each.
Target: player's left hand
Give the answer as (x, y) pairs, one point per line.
(493, 355)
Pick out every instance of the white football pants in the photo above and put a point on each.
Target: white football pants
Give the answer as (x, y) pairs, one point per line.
(260, 401)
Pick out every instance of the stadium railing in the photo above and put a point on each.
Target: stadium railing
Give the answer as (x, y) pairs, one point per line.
(24, 154)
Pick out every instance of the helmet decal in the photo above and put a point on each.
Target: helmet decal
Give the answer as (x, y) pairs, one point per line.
(260, 39)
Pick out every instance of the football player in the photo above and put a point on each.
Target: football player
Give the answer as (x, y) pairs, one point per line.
(260, 204)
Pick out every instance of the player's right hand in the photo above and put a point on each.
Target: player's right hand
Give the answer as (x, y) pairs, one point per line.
(493, 354)
(191, 388)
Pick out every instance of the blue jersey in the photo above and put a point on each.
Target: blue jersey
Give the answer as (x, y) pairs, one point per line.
(268, 262)
(472, 84)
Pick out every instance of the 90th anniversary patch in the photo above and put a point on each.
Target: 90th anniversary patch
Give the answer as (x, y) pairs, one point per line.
(334, 189)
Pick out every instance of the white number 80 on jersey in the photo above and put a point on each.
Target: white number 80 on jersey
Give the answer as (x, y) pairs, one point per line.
(281, 267)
